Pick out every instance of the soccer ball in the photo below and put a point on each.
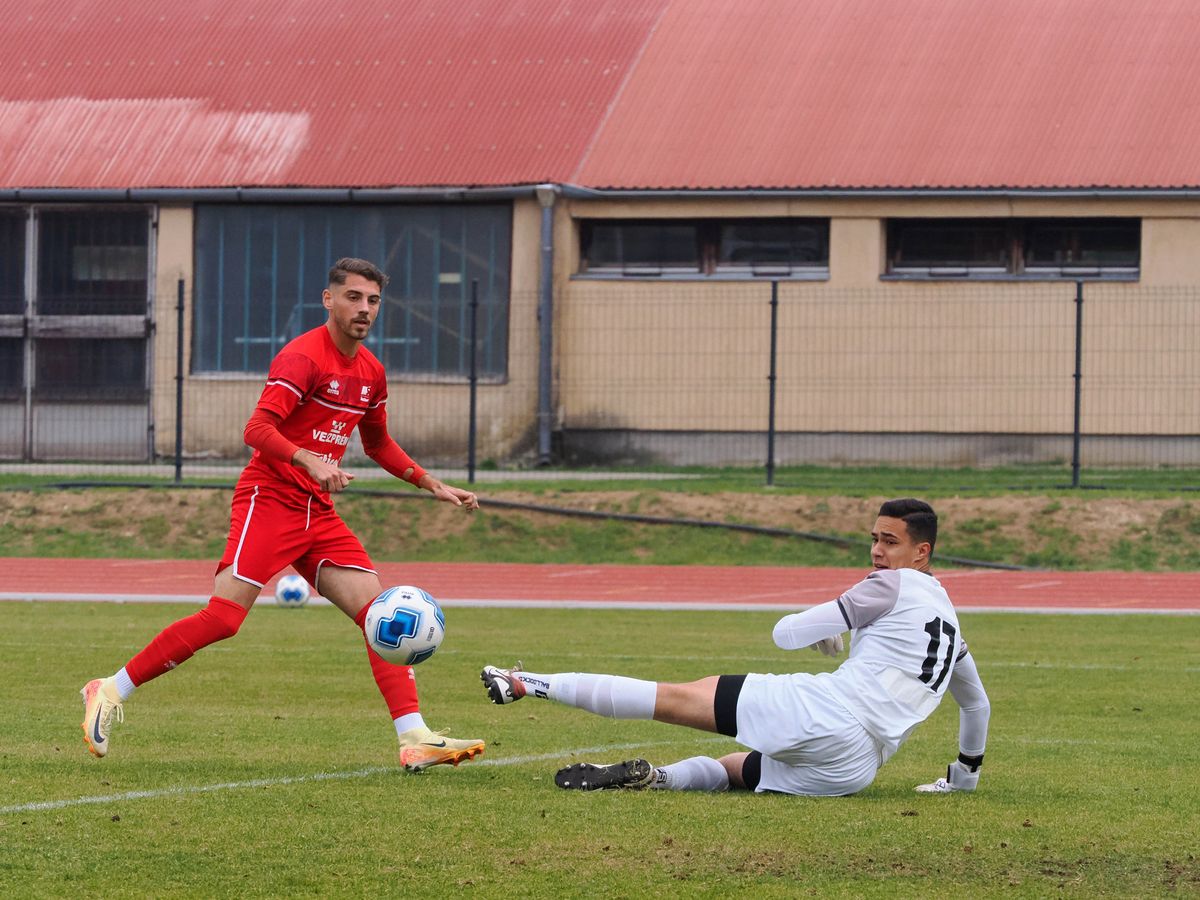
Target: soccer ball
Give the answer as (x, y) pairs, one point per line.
(405, 625)
(291, 591)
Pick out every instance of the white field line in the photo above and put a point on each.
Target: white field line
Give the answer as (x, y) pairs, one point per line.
(42, 805)
(660, 605)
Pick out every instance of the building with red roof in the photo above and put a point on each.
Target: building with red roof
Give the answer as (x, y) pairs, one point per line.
(603, 175)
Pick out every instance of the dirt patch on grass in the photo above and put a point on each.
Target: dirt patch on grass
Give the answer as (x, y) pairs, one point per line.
(1053, 531)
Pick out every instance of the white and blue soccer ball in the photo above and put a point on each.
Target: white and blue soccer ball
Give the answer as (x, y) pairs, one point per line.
(291, 592)
(405, 625)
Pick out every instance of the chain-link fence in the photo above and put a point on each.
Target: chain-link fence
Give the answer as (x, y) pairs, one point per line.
(1076, 379)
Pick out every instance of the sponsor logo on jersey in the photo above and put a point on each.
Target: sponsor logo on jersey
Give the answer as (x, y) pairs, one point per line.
(335, 436)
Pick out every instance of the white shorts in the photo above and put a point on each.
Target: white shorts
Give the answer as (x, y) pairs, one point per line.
(810, 744)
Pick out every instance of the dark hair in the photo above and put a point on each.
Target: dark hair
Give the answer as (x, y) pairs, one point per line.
(917, 515)
(349, 265)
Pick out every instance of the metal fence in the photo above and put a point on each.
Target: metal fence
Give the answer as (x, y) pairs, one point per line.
(1078, 379)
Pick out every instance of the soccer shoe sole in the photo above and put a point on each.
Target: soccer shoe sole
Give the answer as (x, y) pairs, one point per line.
(417, 759)
(633, 773)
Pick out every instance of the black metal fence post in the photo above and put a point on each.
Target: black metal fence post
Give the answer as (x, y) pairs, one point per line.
(771, 379)
(179, 384)
(1078, 383)
(474, 380)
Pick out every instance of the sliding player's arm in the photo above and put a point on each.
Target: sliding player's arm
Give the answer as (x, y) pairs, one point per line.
(974, 713)
(819, 628)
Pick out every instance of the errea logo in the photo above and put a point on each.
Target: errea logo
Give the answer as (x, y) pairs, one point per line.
(335, 387)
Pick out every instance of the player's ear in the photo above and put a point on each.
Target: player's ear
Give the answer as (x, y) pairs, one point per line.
(924, 550)
(327, 299)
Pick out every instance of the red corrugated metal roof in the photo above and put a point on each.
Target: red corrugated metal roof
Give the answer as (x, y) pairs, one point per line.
(617, 94)
(910, 93)
(155, 93)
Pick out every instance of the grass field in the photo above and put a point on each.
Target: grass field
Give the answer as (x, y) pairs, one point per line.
(1149, 530)
(266, 767)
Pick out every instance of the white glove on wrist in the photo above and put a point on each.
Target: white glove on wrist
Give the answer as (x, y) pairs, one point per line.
(830, 646)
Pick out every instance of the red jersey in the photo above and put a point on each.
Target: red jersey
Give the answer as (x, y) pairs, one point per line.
(321, 395)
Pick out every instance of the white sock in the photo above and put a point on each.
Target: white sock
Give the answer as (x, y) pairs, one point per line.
(535, 685)
(125, 687)
(699, 773)
(614, 696)
(408, 722)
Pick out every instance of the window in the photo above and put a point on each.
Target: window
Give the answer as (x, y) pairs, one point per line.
(772, 246)
(260, 271)
(1066, 246)
(95, 369)
(93, 262)
(12, 260)
(1034, 248)
(704, 248)
(643, 247)
(12, 368)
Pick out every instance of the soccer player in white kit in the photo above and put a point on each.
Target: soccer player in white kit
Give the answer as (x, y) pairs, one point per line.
(817, 735)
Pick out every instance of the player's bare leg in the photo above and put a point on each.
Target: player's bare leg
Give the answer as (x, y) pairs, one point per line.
(351, 591)
(691, 704)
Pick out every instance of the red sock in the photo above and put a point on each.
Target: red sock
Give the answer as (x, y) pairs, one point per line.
(177, 642)
(396, 683)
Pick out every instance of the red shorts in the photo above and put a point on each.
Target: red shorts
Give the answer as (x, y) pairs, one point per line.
(270, 529)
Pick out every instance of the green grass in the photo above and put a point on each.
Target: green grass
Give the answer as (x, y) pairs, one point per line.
(1089, 787)
(851, 481)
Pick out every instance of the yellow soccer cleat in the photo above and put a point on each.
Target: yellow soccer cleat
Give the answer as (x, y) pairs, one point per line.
(100, 704)
(421, 748)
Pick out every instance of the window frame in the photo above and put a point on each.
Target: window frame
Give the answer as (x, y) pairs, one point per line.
(451, 263)
(1018, 238)
(709, 230)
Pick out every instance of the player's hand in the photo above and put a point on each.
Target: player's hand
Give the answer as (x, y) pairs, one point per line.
(450, 494)
(331, 478)
(830, 646)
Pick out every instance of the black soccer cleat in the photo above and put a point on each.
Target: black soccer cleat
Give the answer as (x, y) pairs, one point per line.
(502, 685)
(633, 773)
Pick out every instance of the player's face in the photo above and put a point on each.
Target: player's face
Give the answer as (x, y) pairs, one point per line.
(893, 548)
(353, 306)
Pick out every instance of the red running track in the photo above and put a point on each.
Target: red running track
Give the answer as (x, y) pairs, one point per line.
(508, 584)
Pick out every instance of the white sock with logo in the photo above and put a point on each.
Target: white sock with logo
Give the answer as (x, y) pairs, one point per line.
(699, 773)
(614, 696)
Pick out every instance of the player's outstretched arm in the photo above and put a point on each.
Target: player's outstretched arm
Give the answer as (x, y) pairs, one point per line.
(819, 628)
(448, 493)
(974, 713)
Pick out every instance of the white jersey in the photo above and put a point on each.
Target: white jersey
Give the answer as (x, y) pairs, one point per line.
(905, 643)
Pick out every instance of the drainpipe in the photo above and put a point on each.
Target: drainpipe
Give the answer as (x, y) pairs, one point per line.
(546, 194)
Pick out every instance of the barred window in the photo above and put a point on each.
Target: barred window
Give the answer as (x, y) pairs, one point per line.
(12, 260)
(92, 262)
(260, 271)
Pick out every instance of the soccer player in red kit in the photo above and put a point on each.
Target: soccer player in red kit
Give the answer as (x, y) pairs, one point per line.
(320, 387)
